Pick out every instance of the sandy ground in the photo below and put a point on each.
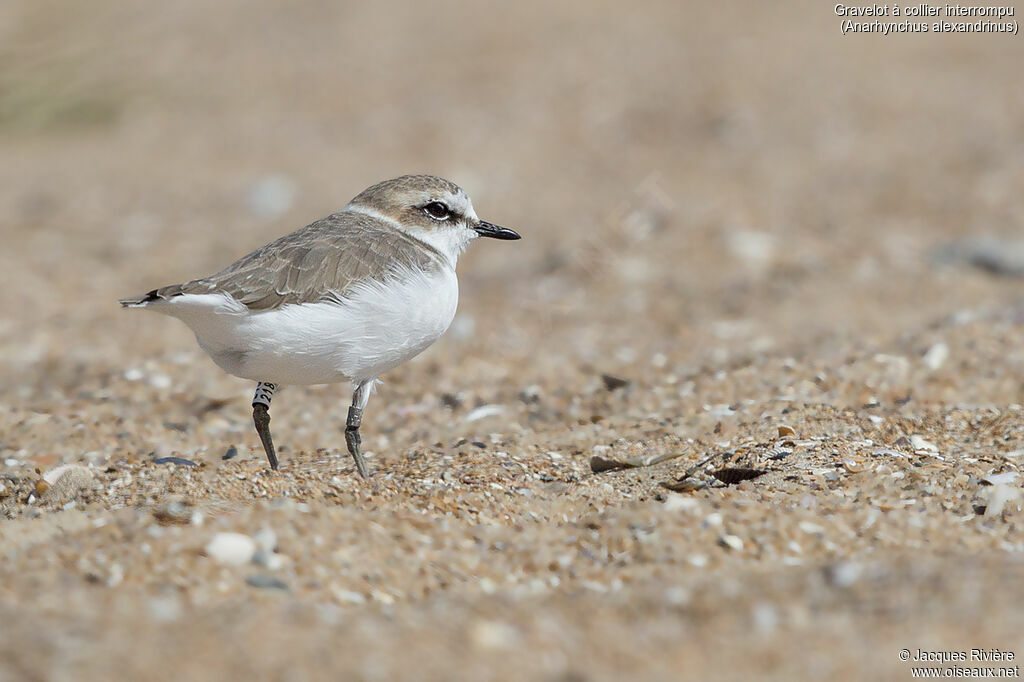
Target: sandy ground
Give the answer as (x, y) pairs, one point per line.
(750, 242)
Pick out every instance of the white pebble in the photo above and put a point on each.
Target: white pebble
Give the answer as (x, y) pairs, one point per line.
(681, 503)
(765, 617)
(844, 574)
(811, 528)
(698, 560)
(269, 560)
(266, 539)
(231, 549)
(712, 520)
(719, 411)
(165, 609)
(677, 596)
(490, 634)
(936, 356)
(733, 542)
(484, 411)
(348, 596)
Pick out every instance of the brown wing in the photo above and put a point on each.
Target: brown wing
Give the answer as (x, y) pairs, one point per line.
(320, 261)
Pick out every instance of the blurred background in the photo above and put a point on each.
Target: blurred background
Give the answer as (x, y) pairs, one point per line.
(719, 202)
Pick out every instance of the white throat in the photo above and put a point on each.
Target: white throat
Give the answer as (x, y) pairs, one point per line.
(451, 240)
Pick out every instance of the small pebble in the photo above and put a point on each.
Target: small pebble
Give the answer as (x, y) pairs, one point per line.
(180, 461)
(731, 475)
(936, 356)
(765, 617)
(231, 549)
(677, 596)
(268, 560)
(490, 634)
(166, 609)
(612, 383)
(681, 503)
(266, 582)
(266, 539)
(811, 528)
(173, 510)
(843, 574)
(697, 560)
(349, 597)
(713, 520)
(231, 453)
(731, 542)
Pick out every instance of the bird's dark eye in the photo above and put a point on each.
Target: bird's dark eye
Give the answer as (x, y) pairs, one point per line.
(437, 210)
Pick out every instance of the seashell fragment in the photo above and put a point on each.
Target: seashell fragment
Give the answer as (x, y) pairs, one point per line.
(687, 485)
(919, 443)
(999, 479)
(61, 485)
(853, 466)
(1002, 497)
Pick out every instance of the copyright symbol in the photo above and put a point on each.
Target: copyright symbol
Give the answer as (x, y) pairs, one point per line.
(904, 654)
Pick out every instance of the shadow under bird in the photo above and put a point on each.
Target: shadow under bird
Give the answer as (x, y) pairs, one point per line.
(346, 298)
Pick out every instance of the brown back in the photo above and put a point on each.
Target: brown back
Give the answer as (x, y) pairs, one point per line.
(321, 261)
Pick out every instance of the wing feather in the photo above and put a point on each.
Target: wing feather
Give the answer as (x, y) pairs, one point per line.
(321, 261)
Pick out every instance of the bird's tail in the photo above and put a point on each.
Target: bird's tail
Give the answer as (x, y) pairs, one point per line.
(157, 295)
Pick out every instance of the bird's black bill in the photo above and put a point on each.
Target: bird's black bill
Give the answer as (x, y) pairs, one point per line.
(485, 229)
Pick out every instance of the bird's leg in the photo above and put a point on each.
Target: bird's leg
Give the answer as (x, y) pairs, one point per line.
(261, 417)
(355, 419)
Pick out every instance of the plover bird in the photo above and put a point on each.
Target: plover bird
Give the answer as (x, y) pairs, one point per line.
(346, 298)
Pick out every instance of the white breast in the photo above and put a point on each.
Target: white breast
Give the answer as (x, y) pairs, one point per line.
(376, 327)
